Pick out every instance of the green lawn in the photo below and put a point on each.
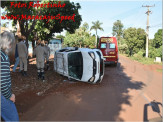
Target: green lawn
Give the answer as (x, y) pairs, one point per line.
(143, 60)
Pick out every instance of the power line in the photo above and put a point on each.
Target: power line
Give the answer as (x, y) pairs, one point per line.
(158, 25)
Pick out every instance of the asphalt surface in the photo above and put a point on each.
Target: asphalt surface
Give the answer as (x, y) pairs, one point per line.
(129, 92)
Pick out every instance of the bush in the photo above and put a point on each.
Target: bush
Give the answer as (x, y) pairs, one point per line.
(143, 60)
(139, 55)
(122, 48)
(159, 52)
(155, 52)
(127, 52)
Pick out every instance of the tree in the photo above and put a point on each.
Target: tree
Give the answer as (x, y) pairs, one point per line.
(85, 26)
(60, 36)
(123, 47)
(117, 30)
(26, 26)
(81, 38)
(155, 52)
(155, 47)
(96, 26)
(135, 39)
(44, 29)
(151, 43)
(158, 39)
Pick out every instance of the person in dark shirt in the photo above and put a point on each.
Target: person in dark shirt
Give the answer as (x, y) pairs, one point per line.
(16, 58)
(8, 108)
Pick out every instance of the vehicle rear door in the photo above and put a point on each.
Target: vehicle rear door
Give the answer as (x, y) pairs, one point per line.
(111, 50)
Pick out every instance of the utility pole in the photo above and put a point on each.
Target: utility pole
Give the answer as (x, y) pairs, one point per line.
(147, 28)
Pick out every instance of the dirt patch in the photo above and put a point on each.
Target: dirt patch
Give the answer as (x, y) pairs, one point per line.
(29, 90)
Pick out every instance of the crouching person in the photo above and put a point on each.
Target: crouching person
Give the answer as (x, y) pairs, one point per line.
(40, 52)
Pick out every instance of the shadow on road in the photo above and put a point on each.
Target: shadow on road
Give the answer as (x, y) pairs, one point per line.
(155, 108)
(119, 84)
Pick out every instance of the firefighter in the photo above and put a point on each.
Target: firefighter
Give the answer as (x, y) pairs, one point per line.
(40, 53)
(23, 56)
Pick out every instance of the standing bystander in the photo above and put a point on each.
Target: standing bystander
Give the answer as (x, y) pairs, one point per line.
(16, 58)
(8, 108)
(23, 55)
(40, 52)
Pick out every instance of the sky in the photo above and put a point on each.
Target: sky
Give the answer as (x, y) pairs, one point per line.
(130, 13)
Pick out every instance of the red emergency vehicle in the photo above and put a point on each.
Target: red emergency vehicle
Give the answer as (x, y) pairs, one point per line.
(109, 49)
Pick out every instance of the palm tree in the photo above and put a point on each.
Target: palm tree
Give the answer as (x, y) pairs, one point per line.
(96, 26)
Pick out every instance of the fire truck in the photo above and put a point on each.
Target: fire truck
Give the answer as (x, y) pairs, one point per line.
(109, 49)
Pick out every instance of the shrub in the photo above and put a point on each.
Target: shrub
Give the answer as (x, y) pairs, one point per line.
(155, 52)
(123, 48)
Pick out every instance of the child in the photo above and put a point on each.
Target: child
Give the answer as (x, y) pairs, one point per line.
(40, 52)
(47, 48)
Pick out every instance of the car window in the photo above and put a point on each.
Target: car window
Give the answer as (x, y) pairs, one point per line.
(75, 65)
(56, 43)
(103, 45)
(112, 46)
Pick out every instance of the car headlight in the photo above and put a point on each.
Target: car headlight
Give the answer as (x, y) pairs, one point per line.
(92, 79)
(92, 54)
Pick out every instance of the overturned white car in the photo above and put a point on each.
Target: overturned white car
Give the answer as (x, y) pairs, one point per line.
(81, 64)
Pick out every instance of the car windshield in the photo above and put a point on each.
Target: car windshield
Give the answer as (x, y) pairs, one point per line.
(75, 65)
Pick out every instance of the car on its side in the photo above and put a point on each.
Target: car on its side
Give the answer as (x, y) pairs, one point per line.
(82, 64)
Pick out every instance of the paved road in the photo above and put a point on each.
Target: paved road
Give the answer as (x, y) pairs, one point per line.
(125, 94)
